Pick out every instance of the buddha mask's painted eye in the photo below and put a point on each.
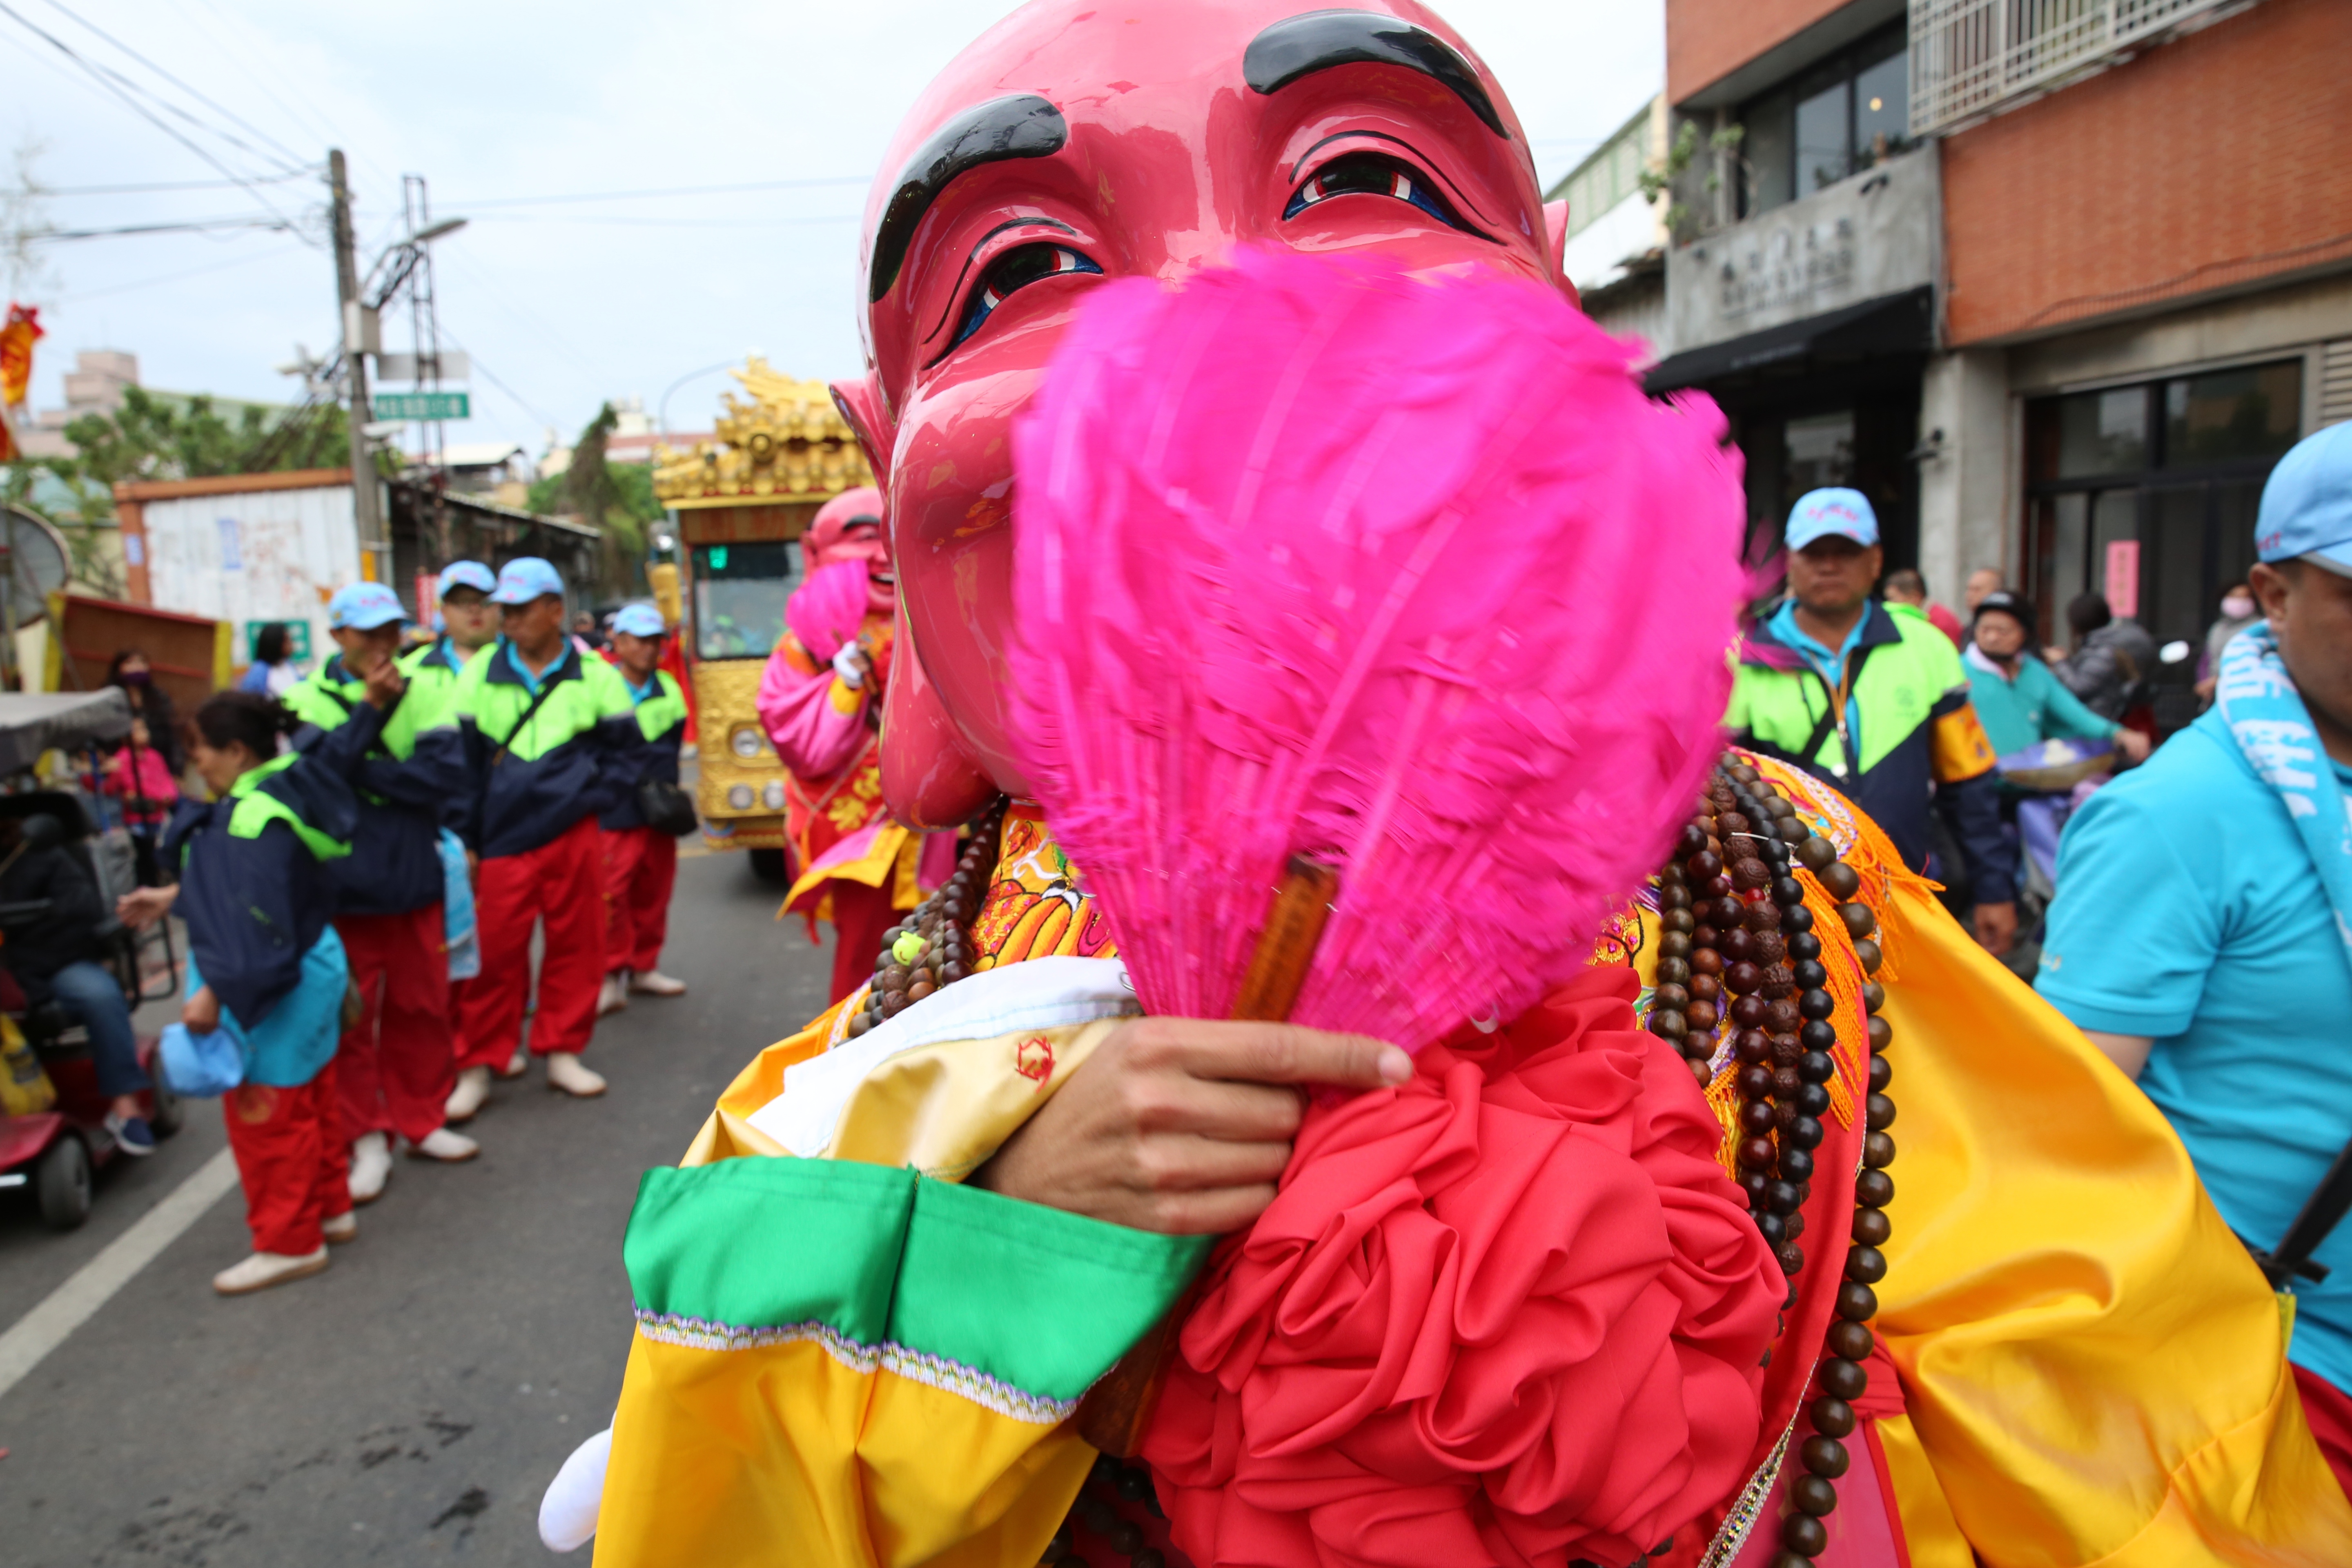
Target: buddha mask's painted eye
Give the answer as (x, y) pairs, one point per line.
(1372, 175)
(1013, 270)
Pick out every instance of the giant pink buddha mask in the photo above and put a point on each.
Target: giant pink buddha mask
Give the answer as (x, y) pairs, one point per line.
(1075, 141)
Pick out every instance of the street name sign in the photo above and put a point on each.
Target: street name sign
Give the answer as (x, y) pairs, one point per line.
(429, 406)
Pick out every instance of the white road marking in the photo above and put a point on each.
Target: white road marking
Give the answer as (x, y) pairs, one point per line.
(32, 1337)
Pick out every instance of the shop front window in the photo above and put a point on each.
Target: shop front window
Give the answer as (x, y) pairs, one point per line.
(2146, 494)
(2233, 414)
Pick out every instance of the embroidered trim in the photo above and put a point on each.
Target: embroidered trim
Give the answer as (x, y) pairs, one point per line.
(918, 1366)
(1749, 1505)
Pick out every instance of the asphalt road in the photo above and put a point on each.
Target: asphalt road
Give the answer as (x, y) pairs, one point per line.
(411, 1403)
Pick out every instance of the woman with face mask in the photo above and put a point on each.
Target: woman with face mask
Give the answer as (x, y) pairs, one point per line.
(2238, 613)
(131, 670)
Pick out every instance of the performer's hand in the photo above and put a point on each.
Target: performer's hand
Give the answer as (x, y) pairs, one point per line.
(145, 906)
(1182, 1125)
(2133, 743)
(202, 1011)
(1997, 927)
(385, 683)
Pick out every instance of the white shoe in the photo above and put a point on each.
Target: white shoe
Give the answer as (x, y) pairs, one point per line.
(263, 1269)
(565, 1072)
(444, 1145)
(654, 982)
(517, 1064)
(370, 1167)
(613, 997)
(345, 1226)
(472, 1089)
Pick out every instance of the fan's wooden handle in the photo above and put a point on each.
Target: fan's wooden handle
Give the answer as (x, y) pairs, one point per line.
(1112, 1415)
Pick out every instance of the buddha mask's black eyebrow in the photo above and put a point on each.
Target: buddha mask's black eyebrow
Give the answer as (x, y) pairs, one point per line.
(1021, 126)
(1319, 40)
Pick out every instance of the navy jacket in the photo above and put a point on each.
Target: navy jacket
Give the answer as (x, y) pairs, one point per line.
(406, 778)
(255, 889)
(661, 720)
(535, 771)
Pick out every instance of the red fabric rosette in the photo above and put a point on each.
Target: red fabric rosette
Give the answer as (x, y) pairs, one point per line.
(1510, 1314)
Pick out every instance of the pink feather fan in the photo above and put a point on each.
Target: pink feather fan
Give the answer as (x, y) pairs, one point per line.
(826, 611)
(1402, 573)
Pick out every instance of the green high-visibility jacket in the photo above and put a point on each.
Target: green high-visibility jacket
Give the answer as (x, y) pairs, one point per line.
(661, 719)
(537, 769)
(406, 780)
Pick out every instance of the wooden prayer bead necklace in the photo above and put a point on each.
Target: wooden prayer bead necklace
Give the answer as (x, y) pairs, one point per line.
(1735, 925)
(932, 946)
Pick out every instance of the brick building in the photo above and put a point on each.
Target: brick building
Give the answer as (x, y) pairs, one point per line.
(2056, 285)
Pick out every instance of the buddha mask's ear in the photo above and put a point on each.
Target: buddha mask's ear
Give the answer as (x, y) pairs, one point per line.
(928, 778)
(860, 403)
(1556, 232)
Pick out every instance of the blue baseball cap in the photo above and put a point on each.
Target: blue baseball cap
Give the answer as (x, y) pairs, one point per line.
(467, 575)
(1821, 513)
(363, 607)
(525, 578)
(2306, 510)
(640, 620)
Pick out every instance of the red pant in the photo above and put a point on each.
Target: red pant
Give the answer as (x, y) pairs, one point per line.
(640, 868)
(296, 1170)
(397, 1066)
(860, 915)
(2328, 1411)
(561, 884)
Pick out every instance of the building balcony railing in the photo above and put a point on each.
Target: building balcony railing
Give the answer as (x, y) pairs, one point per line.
(1970, 57)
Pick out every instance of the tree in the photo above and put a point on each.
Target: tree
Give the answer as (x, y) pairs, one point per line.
(152, 437)
(617, 498)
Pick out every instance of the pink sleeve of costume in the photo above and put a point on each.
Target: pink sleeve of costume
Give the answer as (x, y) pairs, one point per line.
(797, 709)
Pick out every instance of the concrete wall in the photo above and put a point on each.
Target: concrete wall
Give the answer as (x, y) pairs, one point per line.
(1970, 489)
(1870, 235)
(2210, 163)
(1709, 40)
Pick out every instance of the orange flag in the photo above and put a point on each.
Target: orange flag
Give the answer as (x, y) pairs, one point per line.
(16, 340)
(16, 352)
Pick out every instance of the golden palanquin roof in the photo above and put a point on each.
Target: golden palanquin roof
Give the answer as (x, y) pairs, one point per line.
(785, 442)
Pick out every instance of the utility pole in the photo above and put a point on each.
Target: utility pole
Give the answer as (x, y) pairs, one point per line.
(365, 510)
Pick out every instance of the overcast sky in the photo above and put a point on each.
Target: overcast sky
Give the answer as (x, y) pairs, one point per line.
(561, 304)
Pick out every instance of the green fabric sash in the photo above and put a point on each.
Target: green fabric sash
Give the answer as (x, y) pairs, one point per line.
(1015, 1306)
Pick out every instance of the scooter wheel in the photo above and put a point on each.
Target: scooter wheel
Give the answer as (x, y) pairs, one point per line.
(61, 1182)
(169, 1112)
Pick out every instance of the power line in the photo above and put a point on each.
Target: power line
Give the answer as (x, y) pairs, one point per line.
(492, 376)
(479, 202)
(294, 158)
(311, 118)
(130, 102)
(195, 226)
(44, 191)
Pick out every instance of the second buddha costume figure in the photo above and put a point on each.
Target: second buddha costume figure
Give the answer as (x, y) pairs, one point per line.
(820, 703)
(396, 1065)
(552, 740)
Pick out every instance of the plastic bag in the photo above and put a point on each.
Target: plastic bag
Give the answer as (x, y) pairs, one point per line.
(199, 1066)
(457, 909)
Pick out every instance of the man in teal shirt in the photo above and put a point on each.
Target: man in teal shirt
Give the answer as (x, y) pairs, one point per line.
(2019, 699)
(2202, 932)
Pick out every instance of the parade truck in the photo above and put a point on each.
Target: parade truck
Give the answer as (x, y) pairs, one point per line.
(739, 505)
